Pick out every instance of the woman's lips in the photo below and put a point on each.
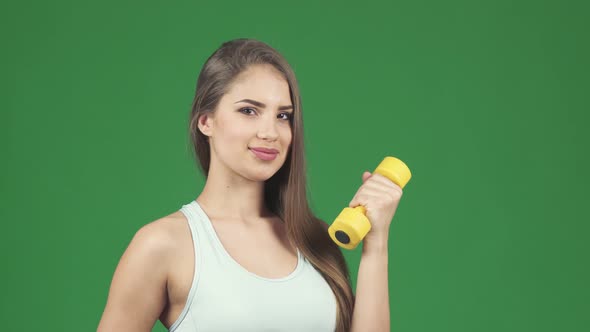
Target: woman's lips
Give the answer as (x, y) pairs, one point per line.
(264, 155)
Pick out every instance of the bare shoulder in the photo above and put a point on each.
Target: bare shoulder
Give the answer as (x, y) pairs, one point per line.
(139, 285)
(160, 237)
(165, 231)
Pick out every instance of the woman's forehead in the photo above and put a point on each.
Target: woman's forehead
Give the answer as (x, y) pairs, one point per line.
(261, 85)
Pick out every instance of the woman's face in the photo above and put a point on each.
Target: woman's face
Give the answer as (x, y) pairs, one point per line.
(264, 121)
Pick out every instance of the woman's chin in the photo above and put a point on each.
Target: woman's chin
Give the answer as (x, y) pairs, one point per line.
(262, 176)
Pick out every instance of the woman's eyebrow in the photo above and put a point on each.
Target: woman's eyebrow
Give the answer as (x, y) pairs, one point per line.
(259, 104)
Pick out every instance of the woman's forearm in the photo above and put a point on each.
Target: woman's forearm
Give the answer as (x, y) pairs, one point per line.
(371, 309)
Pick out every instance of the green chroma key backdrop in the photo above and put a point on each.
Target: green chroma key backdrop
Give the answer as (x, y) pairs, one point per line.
(486, 102)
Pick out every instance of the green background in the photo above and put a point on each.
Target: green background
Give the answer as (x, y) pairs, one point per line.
(486, 102)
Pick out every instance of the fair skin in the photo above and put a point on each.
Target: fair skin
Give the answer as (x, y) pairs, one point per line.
(154, 275)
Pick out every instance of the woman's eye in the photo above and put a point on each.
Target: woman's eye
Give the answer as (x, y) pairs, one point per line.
(246, 108)
(288, 116)
(245, 111)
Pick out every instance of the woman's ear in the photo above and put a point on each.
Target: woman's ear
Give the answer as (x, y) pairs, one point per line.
(204, 123)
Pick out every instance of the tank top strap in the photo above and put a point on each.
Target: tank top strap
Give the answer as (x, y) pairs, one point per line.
(206, 261)
(204, 238)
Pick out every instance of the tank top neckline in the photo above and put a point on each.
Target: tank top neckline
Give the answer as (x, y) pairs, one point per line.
(219, 246)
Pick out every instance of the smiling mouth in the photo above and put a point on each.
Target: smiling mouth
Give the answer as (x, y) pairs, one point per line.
(264, 155)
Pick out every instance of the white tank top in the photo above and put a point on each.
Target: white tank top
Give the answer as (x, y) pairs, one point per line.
(224, 296)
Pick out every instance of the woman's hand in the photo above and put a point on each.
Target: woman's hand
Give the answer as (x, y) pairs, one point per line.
(380, 197)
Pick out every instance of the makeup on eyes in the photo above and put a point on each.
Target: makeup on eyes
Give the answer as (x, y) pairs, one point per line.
(289, 114)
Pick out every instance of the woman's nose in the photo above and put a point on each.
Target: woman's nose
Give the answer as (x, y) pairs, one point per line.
(268, 128)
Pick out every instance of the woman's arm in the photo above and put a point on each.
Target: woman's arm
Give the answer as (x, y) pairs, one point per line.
(380, 197)
(138, 293)
(371, 309)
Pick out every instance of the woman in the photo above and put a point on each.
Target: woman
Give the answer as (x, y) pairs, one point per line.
(248, 254)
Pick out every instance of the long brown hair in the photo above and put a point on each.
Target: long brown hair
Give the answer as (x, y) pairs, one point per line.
(285, 192)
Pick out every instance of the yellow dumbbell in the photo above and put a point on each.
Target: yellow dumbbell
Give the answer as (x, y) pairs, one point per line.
(352, 224)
